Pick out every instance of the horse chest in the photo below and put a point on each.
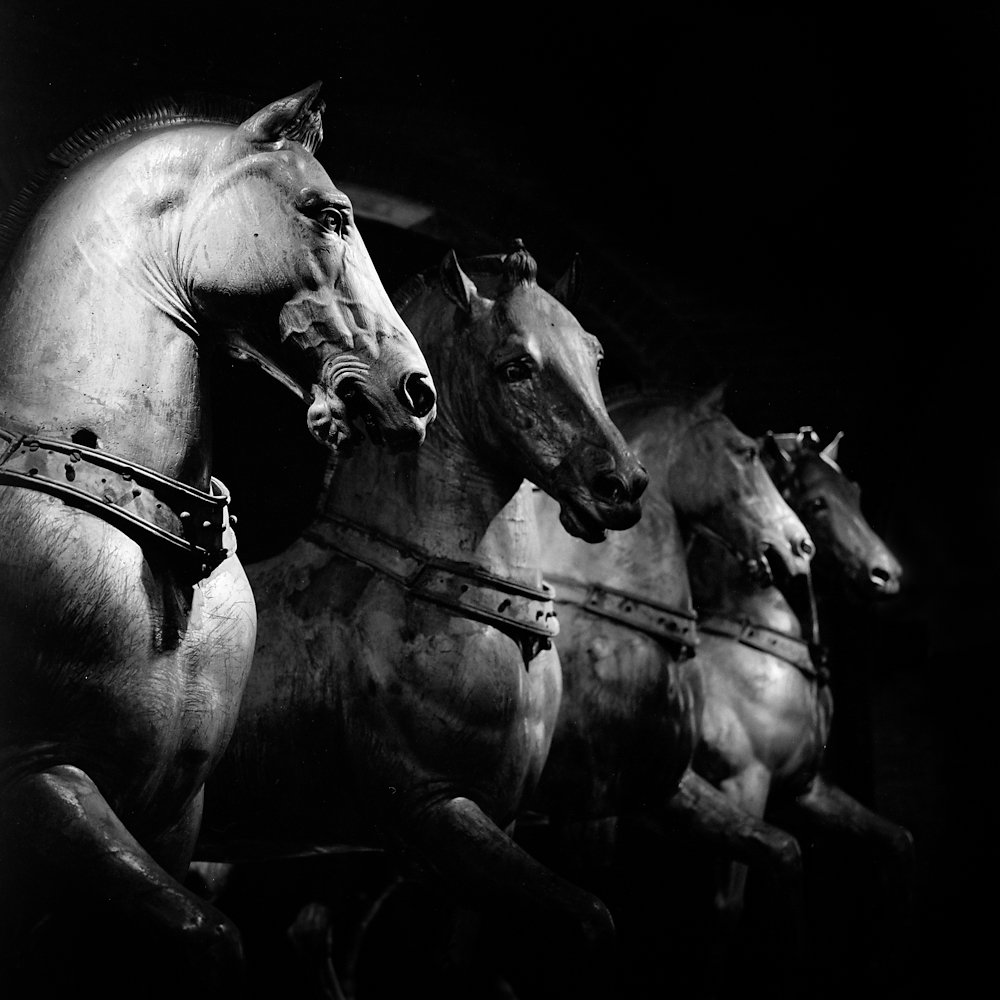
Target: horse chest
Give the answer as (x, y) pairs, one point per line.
(759, 708)
(444, 701)
(132, 676)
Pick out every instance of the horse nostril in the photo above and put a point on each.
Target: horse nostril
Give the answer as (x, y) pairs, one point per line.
(880, 577)
(610, 487)
(639, 482)
(416, 394)
(806, 547)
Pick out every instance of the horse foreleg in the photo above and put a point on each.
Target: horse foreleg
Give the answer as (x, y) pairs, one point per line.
(64, 850)
(833, 811)
(746, 792)
(731, 817)
(704, 812)
(882, 940)
(488, 869)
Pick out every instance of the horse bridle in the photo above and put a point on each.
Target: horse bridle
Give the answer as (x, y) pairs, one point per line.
(757, 568)
(806, 655)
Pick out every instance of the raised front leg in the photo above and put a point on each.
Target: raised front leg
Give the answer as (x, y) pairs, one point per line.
(830, 809)
(871, 873)
(699, 808)
(487, 868)
(730, 821)
(76, 886)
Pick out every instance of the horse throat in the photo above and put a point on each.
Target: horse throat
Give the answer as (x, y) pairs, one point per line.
(441, 499)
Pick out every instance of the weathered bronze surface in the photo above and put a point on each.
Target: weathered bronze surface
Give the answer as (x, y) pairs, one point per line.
(765, 718)
(153, 240)
(377, 714)
(629, 718)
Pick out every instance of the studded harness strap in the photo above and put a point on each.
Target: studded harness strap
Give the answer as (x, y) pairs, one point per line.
(674, 626)
(522, 612)
(807, 657)
(147, 506)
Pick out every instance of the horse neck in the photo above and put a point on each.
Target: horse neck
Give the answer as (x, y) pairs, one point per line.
(648, 560)
(721, 586)
(94, 328)
(448, 498)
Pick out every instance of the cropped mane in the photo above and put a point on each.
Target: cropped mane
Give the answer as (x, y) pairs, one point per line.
(85, 142)
(649, 394)
(516, 267)
(490, 265)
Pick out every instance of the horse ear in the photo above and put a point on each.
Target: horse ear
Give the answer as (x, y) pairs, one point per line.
(567, 288)
(774, 454)
(715, 398)
(830, 451)
(456, 284)
(298, 117)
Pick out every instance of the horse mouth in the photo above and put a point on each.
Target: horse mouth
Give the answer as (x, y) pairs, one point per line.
(364, 417)
(759, 568)
(876, 583)
(360, 414)
(591, 521)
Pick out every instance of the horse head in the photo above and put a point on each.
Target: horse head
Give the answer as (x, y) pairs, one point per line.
(721, 488)
(521, 377)
(266, 237)
(830, 505)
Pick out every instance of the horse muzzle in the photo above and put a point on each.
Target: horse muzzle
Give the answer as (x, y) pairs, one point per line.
(608, 502)
(881, 578)
(396, 417)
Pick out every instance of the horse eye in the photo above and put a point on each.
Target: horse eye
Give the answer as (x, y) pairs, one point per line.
(333, 220)
(816, 504)
(750, 455)
(600, 361)
(516, 371)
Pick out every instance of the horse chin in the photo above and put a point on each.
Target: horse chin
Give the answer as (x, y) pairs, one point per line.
(328, 423)
(581, 524)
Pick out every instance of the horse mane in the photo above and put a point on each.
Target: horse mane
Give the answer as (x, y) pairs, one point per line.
(487, 265)
(649, 393)
(105, 132)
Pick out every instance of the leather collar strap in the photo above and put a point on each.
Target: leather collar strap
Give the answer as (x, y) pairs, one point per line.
(146, 506)
(524, 613)
(671, 625)
(807, 658)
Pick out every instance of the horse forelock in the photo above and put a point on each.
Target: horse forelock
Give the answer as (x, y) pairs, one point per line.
(518, 268)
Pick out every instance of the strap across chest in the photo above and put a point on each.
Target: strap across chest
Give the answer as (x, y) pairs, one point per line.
(805, 656)
(525, 613)
(674, 626)
(151, 508)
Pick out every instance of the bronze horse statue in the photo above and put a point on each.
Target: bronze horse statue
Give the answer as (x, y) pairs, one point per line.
(626, 727)
(767, 706)
(128, 624)
(405, 684)
(830, 506)
(628, 721)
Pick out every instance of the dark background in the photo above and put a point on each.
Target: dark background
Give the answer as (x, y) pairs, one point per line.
(797, 197)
